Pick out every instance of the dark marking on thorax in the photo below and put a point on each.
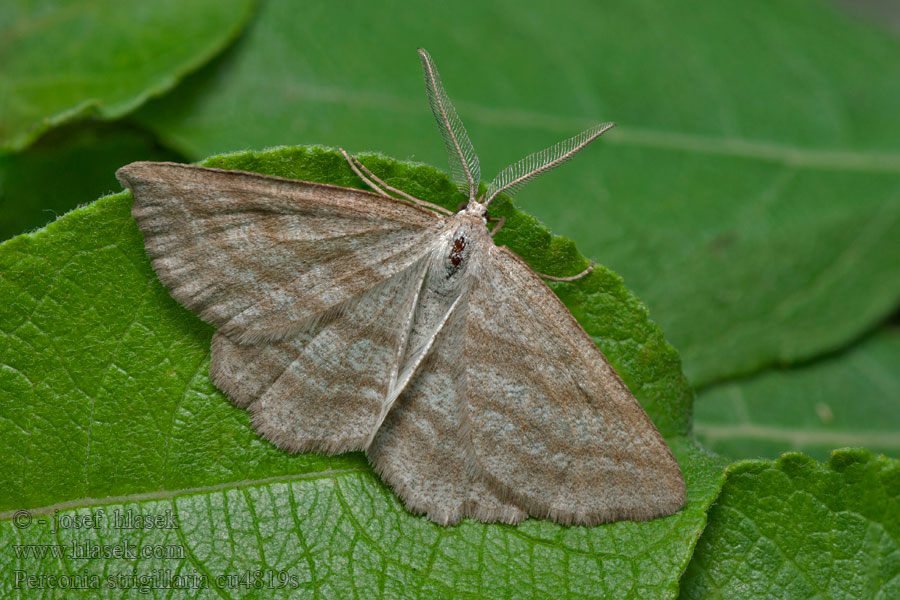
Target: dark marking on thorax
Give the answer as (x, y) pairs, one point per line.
(456, 254)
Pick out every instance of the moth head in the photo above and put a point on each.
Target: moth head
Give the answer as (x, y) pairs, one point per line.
(475, 209)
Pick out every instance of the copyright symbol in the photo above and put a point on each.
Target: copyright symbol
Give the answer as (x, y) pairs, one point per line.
(22, 519)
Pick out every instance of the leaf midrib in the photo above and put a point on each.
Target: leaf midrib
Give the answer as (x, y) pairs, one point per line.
(624, 134)
(799, 437)
(172, 494)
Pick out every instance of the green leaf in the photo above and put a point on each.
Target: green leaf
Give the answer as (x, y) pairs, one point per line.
(750, 193)
(848, 399)
(797, 529)
(66, 166)
(63, 60)
(104, 392)
(343, 533)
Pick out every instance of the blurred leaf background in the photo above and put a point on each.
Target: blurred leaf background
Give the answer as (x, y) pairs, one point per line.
(750, 194)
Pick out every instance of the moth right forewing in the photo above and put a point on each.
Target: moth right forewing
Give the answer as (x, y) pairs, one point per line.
(260, 256)
(549, 423)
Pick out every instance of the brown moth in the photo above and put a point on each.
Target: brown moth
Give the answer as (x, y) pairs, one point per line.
(348, 320)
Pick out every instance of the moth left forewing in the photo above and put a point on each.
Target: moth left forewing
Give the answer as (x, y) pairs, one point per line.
(259, 256)
(550, 425)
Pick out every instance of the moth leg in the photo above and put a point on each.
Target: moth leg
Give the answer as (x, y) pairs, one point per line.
(359, 174)
(373, 181)
(572, 278)
(501, 221)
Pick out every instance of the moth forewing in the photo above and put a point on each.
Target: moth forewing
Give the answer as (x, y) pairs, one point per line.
(261, 257)
(549, 423)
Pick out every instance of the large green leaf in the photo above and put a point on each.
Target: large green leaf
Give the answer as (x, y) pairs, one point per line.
(750, 194)
(849, 399)
(798, 529)
(341, 533)
(61, 59)
(105, 401)
(56, 174)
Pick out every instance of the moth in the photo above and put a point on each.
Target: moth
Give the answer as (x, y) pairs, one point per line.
(354, 320)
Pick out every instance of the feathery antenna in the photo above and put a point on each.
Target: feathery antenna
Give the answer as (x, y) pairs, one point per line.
(463, 160)
(516, 175)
